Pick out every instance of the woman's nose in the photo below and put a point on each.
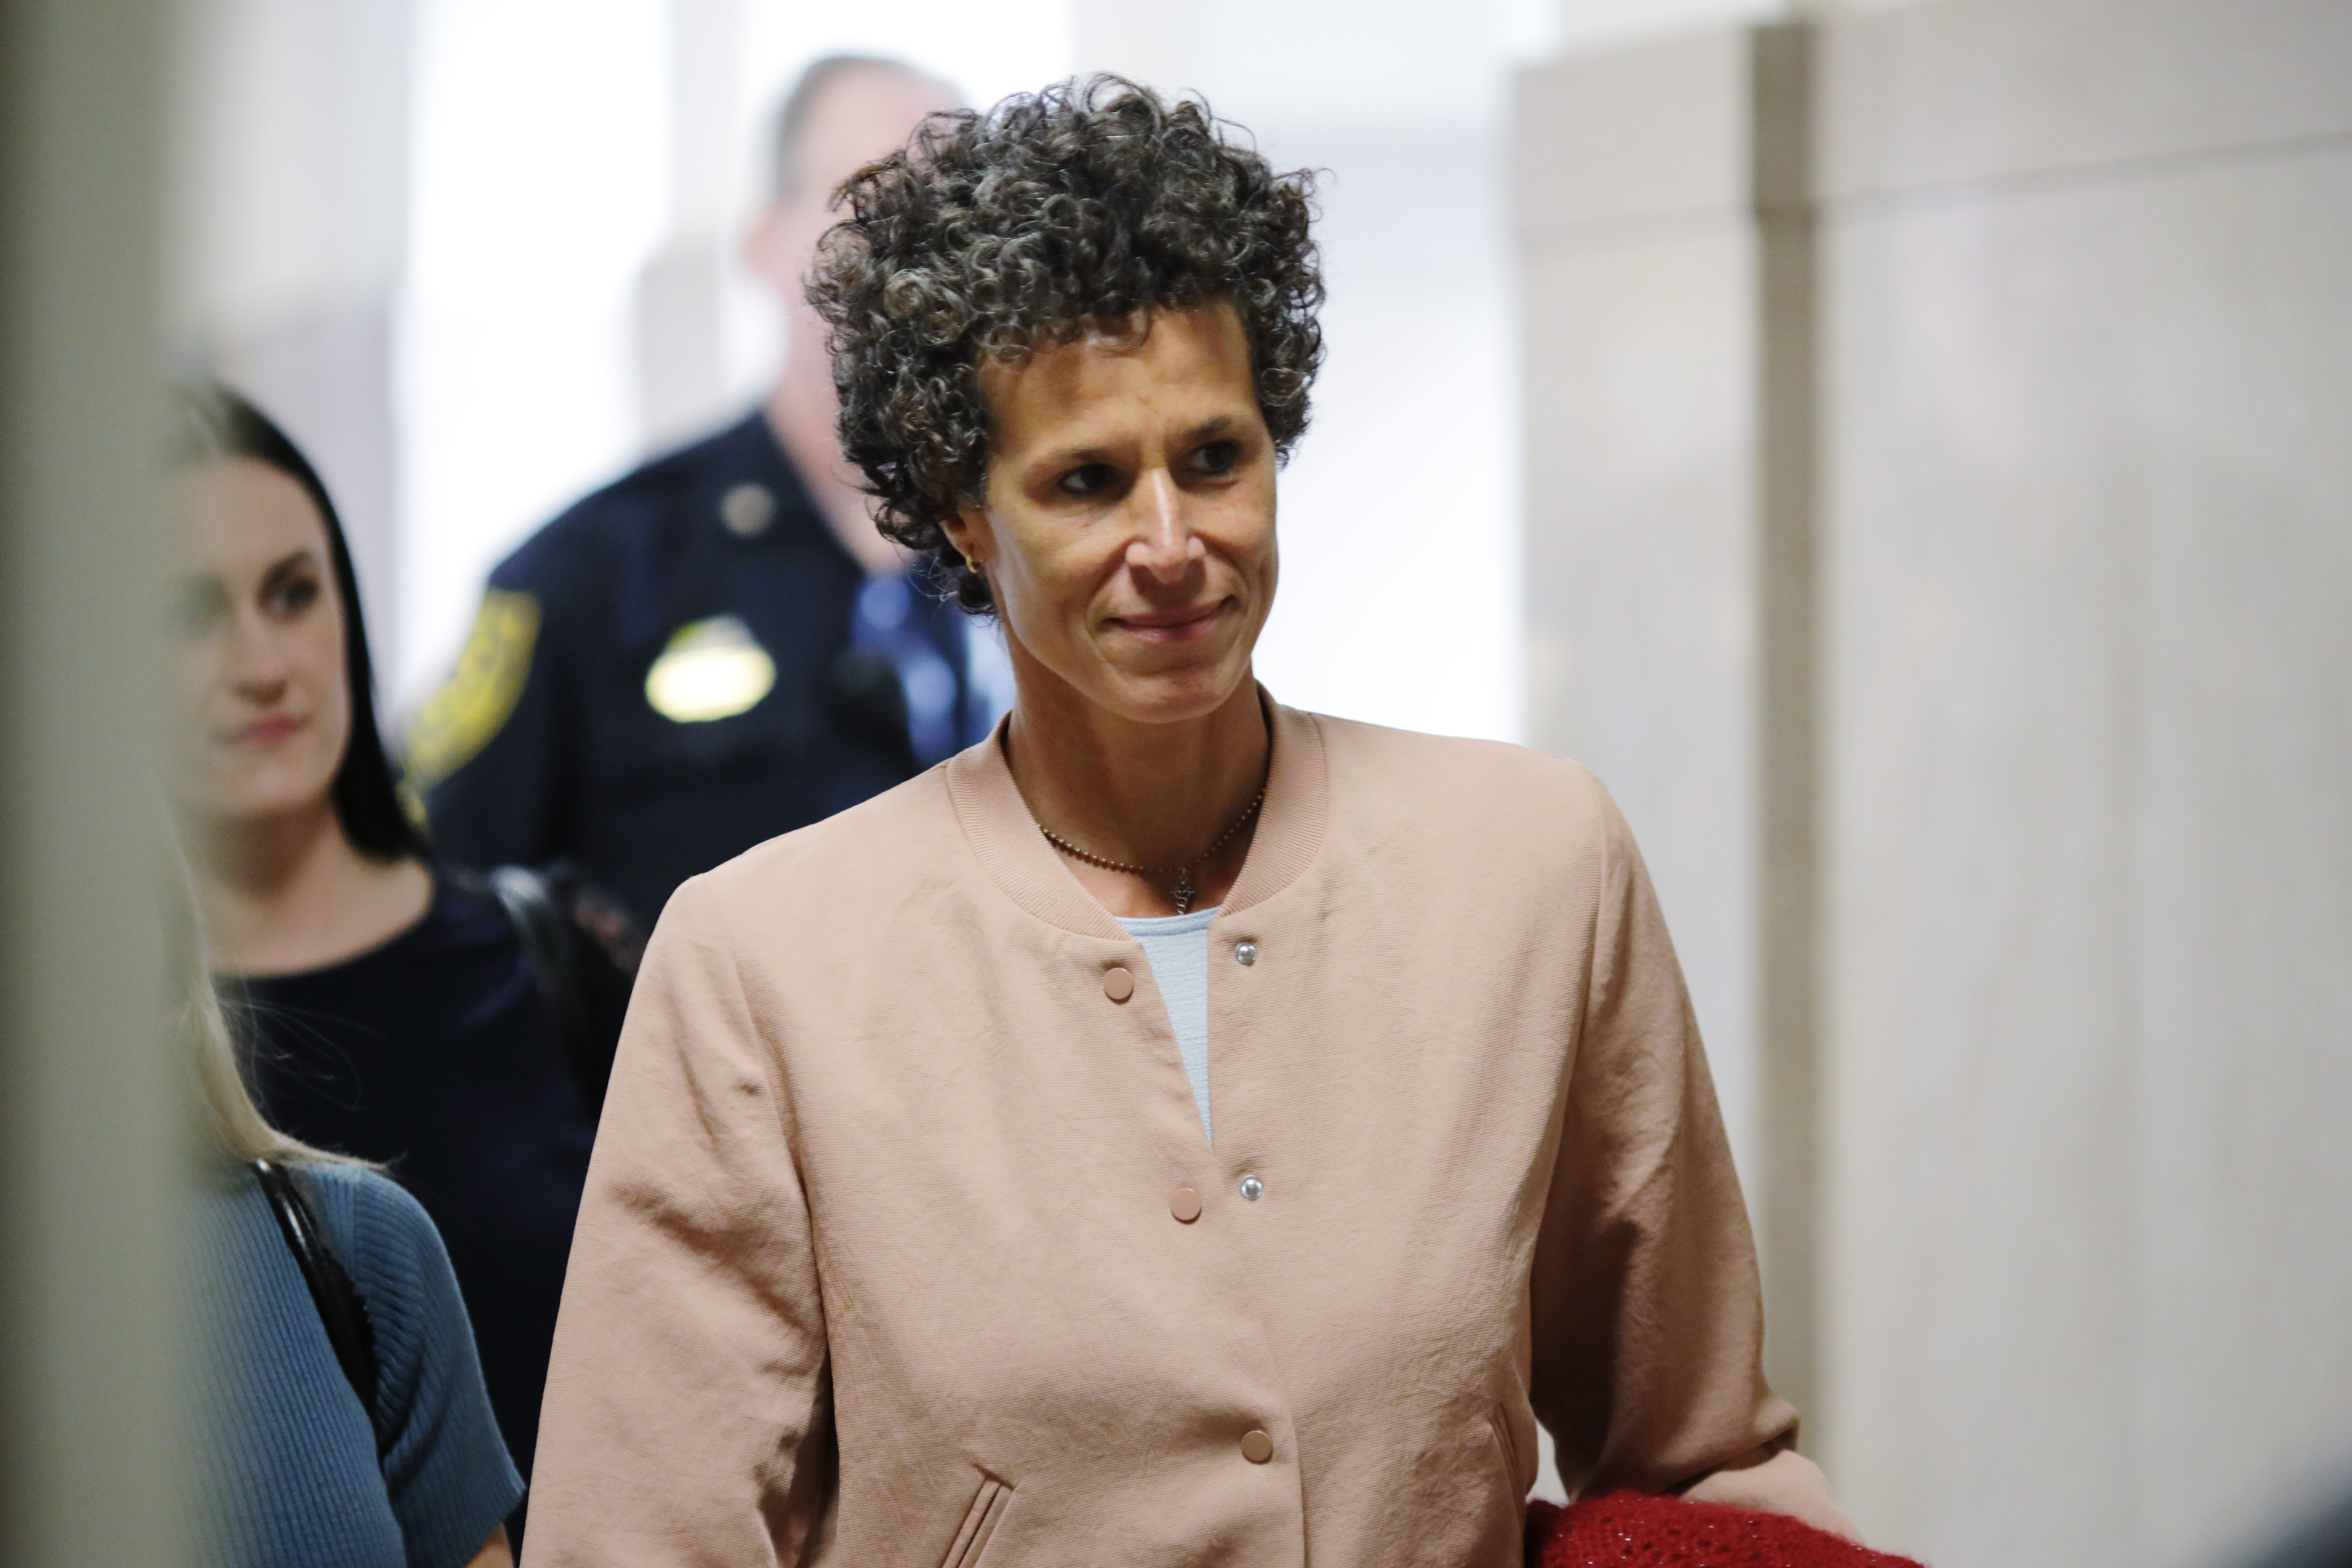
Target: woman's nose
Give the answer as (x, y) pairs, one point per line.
(256, 665)
(1163, 546)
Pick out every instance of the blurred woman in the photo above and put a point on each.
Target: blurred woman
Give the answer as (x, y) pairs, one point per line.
(341, 1417)
(398, 1013)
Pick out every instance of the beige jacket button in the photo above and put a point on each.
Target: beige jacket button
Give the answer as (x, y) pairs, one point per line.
(1185, 1206)
(1118, 984)
(1257, 1447)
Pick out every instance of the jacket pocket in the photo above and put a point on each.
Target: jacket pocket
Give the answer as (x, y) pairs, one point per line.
(980, 1521)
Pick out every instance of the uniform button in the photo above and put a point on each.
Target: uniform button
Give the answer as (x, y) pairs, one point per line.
(1245, 953)
(1185, 1204)
(1251, 1188)
(746, 509)
(1118, 984)
(1257, 1447)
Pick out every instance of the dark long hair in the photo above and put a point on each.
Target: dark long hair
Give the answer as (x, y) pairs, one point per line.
(215, 424)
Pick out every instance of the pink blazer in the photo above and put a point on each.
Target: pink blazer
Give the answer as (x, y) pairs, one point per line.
(903, 1244)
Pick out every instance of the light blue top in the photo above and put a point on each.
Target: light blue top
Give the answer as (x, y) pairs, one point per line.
(1178, 947)
(294, 1472)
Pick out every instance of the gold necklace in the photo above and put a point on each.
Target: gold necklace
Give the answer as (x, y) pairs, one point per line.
(1184, 889)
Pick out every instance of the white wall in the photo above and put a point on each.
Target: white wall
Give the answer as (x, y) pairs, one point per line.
(540, 134)
(552, 192)
(530, 373)
(291, 187)
(571, 302)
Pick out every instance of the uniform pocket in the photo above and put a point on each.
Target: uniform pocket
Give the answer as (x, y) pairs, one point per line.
(980, 1521)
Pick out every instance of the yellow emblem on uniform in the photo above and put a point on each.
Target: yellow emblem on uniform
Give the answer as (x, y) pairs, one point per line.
(480, 695)
(710, 670)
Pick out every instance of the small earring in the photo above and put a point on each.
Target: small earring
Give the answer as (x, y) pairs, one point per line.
(972, 561)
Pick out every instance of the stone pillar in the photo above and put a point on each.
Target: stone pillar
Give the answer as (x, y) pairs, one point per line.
(1668, 281)
(1936, 537)
(2088, 860)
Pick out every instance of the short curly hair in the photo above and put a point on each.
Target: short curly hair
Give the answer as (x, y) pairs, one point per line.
(995, 235)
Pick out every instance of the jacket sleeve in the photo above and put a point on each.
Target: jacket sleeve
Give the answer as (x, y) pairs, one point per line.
(687, 1416)
(1646, 1322)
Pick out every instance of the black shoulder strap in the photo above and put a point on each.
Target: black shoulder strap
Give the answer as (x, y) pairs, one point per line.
(341, 1309)
(577, 979)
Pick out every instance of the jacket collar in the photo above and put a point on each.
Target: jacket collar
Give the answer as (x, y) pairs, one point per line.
(1004, 835)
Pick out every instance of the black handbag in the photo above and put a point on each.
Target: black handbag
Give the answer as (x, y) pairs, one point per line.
(583, 953)
(342, 1310)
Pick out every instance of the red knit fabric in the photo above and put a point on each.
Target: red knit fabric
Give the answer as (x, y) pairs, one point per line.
(1629, 1529)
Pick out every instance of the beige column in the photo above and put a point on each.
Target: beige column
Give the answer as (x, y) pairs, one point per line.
(91, 1142)
(1668, 286)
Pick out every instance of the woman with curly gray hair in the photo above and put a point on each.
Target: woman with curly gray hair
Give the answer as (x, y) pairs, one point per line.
(1181, 1129)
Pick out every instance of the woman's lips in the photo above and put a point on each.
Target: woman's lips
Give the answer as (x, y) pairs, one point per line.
(1178, 624)
(263, 731)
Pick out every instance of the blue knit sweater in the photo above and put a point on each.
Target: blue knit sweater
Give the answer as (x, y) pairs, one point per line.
(294, 1473)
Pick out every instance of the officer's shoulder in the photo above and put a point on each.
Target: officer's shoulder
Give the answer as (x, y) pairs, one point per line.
(649, 497)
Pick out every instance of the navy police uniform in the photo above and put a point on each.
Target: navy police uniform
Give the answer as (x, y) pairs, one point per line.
(683, 665)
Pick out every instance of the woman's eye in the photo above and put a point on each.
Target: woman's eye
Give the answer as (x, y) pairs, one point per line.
(1091, 479)
(293, 599)
(1218, 458)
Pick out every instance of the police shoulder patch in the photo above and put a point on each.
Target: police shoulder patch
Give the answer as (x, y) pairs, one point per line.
(480, 695)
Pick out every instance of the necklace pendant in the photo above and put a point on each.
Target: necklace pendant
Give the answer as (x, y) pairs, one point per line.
(1182, 892)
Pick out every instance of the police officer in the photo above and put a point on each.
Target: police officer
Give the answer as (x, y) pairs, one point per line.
(720, 648)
